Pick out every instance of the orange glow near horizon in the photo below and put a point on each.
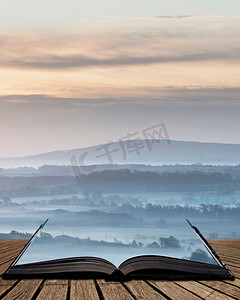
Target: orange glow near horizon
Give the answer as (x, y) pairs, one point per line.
(85, 80)
(126, 55)
(113, 82)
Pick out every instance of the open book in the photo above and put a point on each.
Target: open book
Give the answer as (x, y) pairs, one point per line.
(144, 266)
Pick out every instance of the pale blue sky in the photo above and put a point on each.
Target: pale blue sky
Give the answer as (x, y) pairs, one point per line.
(47, 13)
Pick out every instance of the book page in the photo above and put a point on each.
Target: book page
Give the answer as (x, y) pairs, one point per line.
(118, 243)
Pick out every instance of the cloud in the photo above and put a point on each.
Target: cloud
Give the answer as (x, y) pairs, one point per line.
(140, 43)
(176, 17)
(173, 95)
(195, 17)
(80, 61)
(119, 61)
(208, 17)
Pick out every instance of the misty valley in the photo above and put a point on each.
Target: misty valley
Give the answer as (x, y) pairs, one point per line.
(117, 214)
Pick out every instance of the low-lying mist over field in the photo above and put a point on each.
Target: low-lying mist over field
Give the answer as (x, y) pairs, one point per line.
(117, 212)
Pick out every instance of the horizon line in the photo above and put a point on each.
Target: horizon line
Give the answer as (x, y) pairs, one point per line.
(96, 145)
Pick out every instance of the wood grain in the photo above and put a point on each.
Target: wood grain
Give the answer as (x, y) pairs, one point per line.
(4, 266)
(54, 289)
(24, 290)
(203, 291)
(83, 289)
(6, 285)
(235, 282)
(6, 256)
(235, 271)
(5, 245)
(113, 290)
(173, 290)
(223, 287)
(143, 291)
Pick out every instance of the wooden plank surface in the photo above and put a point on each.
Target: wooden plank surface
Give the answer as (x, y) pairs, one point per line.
(4, 266)
(173, 291)
(141, 290)
(234, 270)
(202, 291)
(235, 282)
(6, 285)
(231, 262)
(223, 287)
(83, 289)
(54, 289)
(12, 244)
(6, 256)
(11, 250)
(113, 289)
(24, 290)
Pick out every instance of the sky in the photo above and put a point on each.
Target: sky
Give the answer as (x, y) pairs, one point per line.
(80, 73)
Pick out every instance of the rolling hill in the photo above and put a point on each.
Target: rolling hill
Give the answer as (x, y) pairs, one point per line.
(148, 152)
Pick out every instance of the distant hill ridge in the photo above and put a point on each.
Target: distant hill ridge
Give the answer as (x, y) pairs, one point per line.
(153, 152)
